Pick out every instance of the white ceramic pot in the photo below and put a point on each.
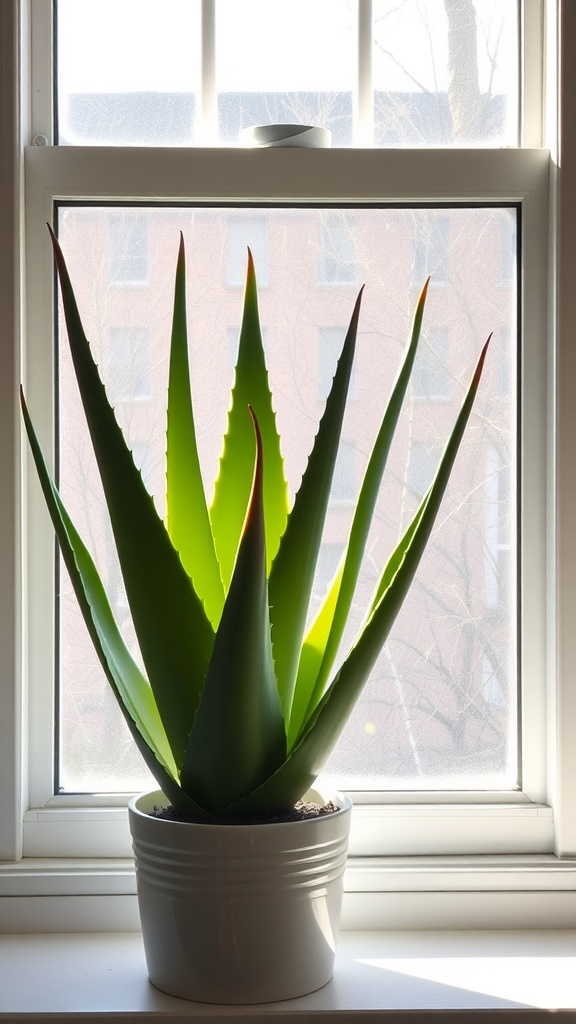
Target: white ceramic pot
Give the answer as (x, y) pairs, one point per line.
(239, 913)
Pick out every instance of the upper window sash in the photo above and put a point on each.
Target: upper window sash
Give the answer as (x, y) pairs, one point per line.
(531, 22)
(347, 176)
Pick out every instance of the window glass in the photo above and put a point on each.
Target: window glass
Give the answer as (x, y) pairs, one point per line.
(245, 231)
(423, 462)
(233, 336)
(428, 717)
(128, 255)
(498, 564)
(132, 72)
(330, 344)
(430, 380)
(431, 247)
(279, 63)
(445, 72)
(127, 72)
(129, 370)
(338, 239)
(345, 483)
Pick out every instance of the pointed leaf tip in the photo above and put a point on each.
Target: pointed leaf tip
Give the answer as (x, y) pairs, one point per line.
(250, 268)
(256, 426)
(255, 504)
(480, 364)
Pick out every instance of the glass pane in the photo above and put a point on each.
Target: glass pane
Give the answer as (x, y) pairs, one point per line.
(285, 64)
(446, 72)
(440, 710)
(128, 72)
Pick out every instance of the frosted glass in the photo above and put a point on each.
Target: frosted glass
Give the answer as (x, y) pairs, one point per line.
(285, 63)
(127, 72)
(445, 72)
(440, 710)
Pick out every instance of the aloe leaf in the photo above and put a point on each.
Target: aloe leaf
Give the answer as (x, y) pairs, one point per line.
(131, 689)
(322, 729)
(172, 628)
(187, 513)
(397, 557)
(129, 685)
(238, 737)
(323, 640)
(293, 569)
(232, 490)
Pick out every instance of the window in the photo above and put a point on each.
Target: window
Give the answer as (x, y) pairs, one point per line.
(506, 356)
(128, 250)
(414, 47)
(291, 85)
(330, 342)
(328, 560)
(498, 547)
(422, 467)
(431, 380)
(427, 202)
(431, 247)
(129, 359)
(345, 483)
(337, 250)
(380, 232)
(244, 233)
(233, 340)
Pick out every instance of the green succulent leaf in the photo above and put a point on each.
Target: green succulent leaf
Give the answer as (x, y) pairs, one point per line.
(232, 490)
(187, 512)
(130, 687)
(325, 634)
(293, 569)
(239, 716)
(173, 631)
(318, 736)
(238, 738)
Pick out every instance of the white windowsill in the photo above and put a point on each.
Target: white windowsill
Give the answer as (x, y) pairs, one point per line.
(385, 974)
(523, 892)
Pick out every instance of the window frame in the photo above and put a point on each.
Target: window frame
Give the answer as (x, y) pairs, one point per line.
(269, 175)
(450, 886)
(120, 275)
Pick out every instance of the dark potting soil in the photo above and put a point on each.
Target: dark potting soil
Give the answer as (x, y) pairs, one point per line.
(302, 811)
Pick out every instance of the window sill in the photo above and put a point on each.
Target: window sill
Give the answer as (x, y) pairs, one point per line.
(385, 974)
(533, 892)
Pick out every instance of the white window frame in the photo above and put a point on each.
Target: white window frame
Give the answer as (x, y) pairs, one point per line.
(417, 853)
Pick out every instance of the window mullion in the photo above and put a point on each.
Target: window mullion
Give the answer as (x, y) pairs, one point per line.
(209, 115)
(364, 100)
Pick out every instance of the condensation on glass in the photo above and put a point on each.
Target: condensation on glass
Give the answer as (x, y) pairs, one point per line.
(440, 709)
(132, 72)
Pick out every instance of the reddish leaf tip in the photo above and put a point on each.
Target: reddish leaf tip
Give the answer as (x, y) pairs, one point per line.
(257, 432)
(481, 360)
(424, 291)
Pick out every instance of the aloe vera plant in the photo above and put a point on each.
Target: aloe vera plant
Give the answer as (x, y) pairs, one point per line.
(241, 703)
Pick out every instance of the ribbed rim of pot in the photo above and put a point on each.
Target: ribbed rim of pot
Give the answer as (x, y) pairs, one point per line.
(314, 795)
